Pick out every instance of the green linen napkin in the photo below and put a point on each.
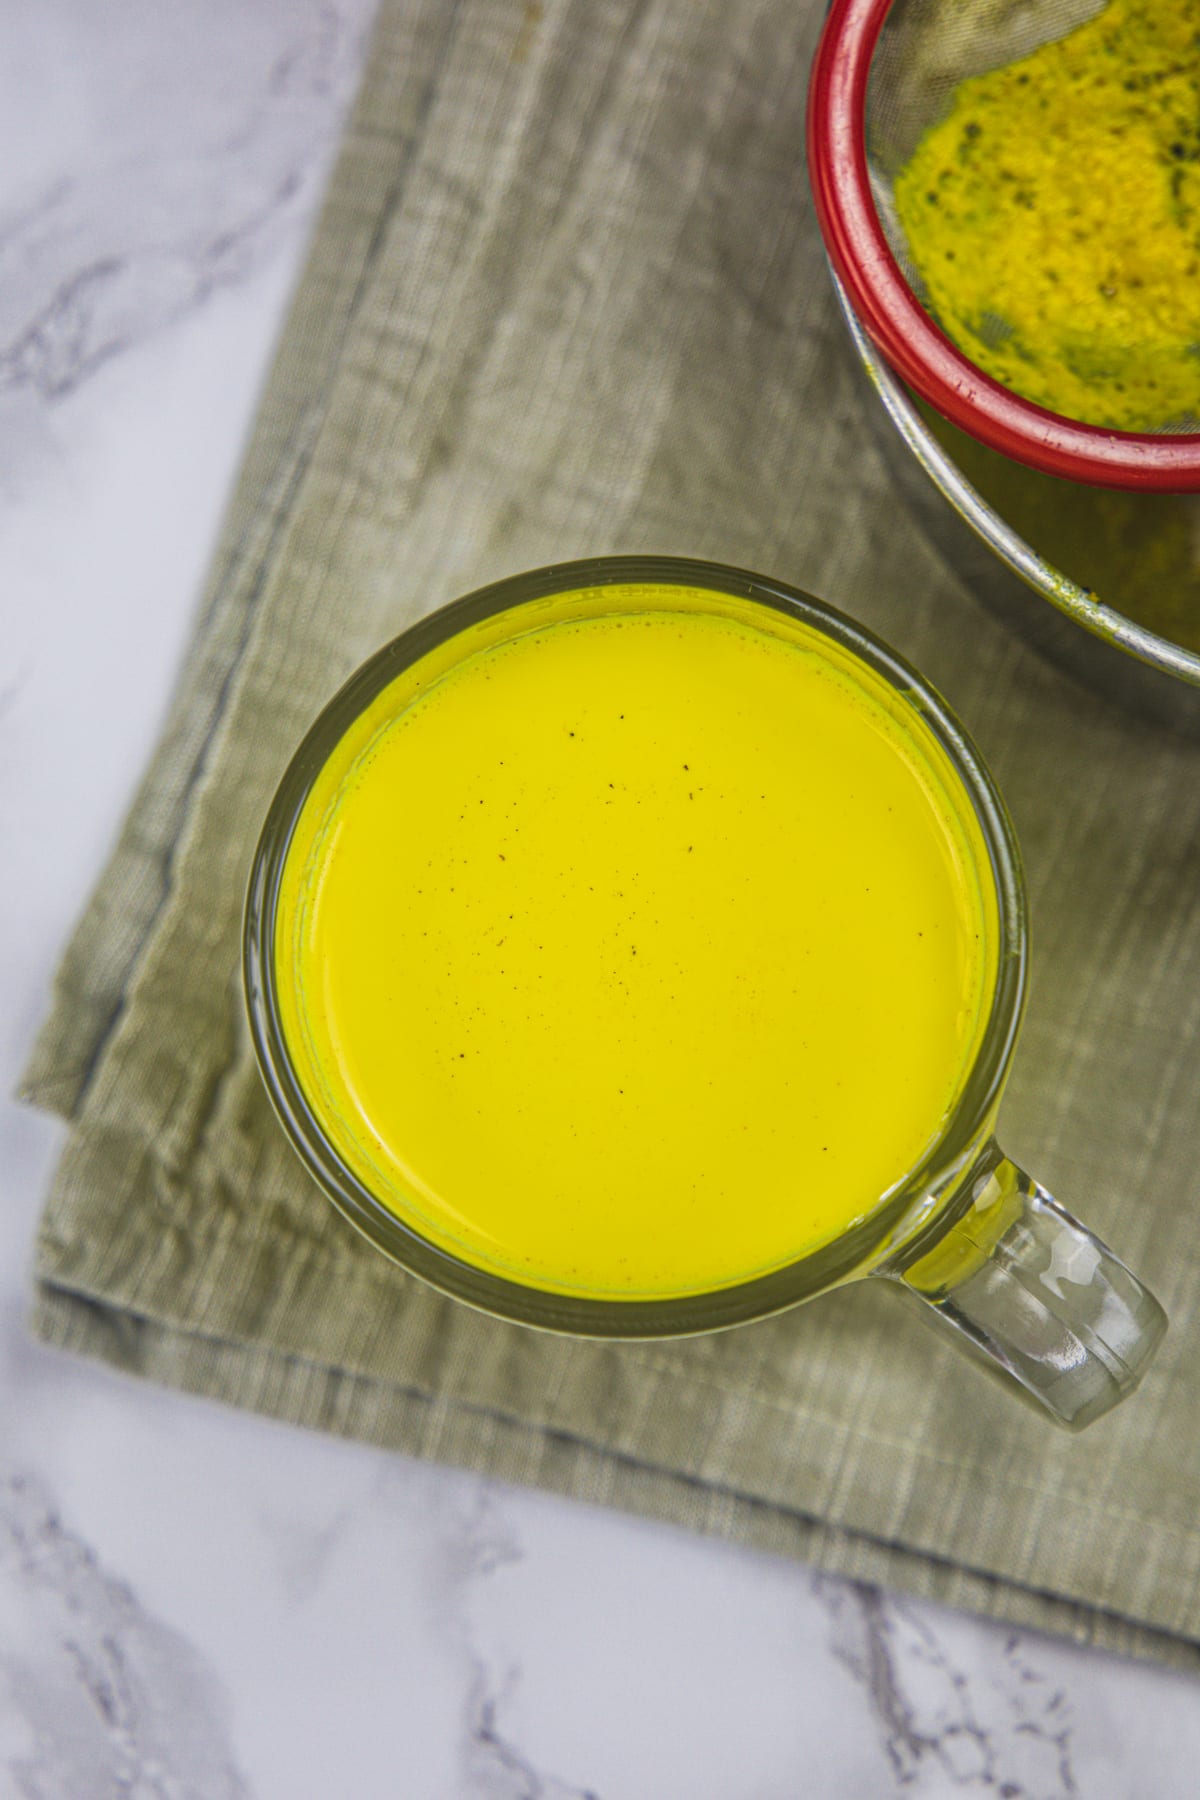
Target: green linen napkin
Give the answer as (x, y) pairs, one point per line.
(566, 297)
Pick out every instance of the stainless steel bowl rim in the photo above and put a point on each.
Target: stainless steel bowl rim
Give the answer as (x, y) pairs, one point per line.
(1066, 595)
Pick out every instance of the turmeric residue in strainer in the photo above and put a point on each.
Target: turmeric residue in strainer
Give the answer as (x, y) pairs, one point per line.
(1054, 218)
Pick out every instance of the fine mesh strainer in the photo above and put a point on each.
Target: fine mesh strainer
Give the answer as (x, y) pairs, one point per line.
(885, 71)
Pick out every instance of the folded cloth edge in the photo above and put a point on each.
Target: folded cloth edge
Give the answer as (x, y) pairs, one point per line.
(296, 1391)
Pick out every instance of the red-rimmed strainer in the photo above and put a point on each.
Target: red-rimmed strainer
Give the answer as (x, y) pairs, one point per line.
(885, 70)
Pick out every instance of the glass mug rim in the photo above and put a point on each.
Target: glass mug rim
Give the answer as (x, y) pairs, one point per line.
(899, 1214)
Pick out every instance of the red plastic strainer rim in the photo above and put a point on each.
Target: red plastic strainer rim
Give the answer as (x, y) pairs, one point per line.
(916, 348)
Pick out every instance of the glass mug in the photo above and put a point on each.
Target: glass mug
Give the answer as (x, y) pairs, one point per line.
(990, 1254)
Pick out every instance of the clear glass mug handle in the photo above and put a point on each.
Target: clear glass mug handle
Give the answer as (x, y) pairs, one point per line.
(1025, 1283)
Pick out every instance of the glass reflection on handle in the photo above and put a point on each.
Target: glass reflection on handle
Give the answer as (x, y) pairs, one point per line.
(1041, 1296)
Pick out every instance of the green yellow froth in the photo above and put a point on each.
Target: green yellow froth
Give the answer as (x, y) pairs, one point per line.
(1053, 216)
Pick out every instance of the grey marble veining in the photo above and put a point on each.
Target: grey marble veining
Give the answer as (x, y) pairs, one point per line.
(1007, 1733)
(187, 186)
(97, 1697)
(493, 1763)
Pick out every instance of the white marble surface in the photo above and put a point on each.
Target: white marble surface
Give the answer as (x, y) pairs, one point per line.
(200, 1604)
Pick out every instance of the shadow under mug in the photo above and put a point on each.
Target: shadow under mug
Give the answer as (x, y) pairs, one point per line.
(991, 1255)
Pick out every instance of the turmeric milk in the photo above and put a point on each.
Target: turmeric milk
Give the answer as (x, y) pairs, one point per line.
(637, 952)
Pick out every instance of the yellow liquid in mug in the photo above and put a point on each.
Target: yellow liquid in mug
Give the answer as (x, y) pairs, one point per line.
(640, 953)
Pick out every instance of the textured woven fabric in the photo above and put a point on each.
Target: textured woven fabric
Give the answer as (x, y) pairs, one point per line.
(567, 297)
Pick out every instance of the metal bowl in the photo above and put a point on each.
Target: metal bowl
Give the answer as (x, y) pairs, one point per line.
(1140, 644)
